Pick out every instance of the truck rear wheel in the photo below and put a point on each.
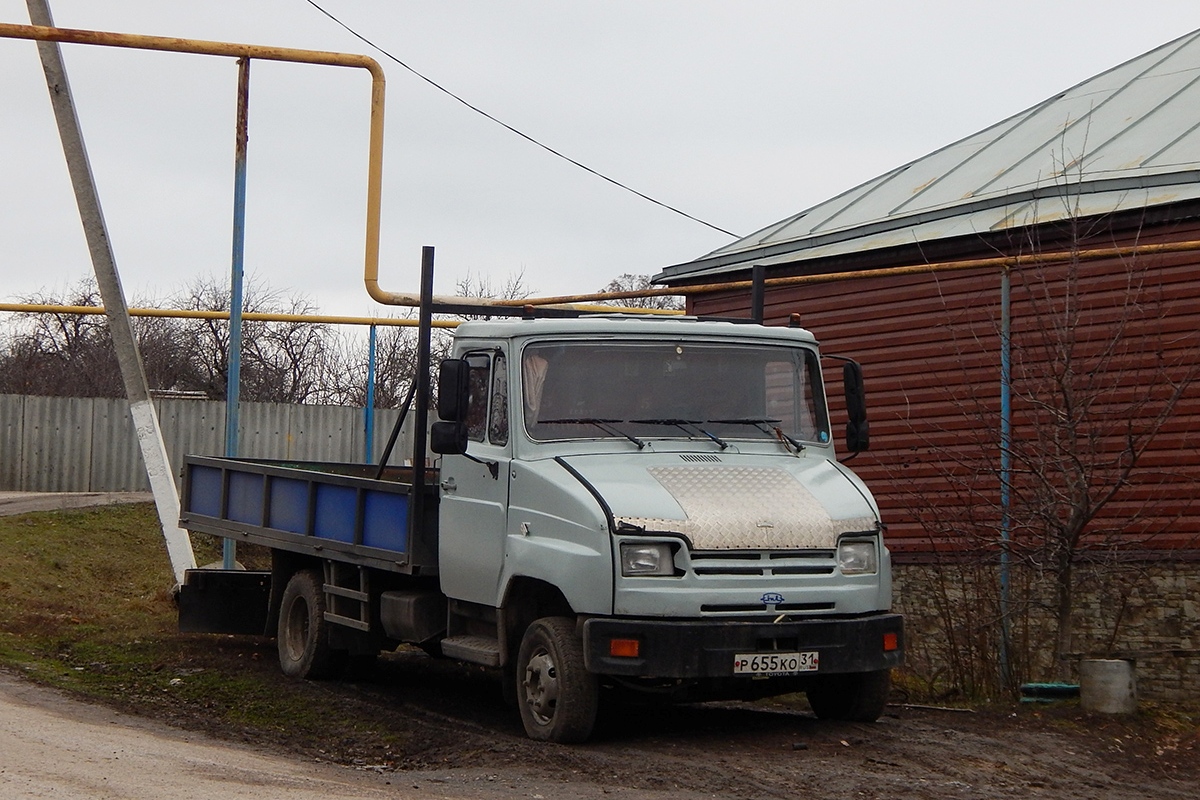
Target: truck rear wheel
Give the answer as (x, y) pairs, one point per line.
(303, 637)
(852, 697)
(556, 694)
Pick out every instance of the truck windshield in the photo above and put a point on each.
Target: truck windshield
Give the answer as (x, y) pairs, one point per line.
(694, 390)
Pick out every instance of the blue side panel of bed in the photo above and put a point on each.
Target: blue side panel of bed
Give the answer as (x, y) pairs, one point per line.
(205, 496)
(336, 507)
(385, 522)
(289, 505)
(245, 498)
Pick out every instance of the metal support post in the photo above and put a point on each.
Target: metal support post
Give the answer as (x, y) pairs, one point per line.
(369, 405)
(758, 293)
(141, 408)
(421, 383)
(233, 381)
(1005, 465)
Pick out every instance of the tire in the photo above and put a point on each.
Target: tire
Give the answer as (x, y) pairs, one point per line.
(556, 695)
(303, 635)
(851, 697)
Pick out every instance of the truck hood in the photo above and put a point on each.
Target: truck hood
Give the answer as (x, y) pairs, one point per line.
(740, 503)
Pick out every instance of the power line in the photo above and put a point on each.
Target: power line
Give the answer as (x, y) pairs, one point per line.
(510, 128)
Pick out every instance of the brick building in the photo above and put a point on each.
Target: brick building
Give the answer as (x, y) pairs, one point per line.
(1025, 303)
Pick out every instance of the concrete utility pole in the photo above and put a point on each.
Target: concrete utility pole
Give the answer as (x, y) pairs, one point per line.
(141, 408)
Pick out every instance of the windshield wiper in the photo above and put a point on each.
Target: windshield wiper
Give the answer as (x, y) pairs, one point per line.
(603, 424)
(767, 426)
(683, 425)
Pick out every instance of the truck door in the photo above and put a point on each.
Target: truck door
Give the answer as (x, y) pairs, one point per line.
(474, 502)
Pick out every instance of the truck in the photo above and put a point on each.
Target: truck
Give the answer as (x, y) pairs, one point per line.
(606, 504)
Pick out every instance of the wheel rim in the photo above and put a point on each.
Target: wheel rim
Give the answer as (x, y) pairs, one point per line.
(297, 629)
(541, 686)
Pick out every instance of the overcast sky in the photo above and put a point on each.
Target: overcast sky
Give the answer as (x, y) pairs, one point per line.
(740, 113)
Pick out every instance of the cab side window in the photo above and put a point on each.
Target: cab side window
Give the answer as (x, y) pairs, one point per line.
(487, 411)
(498, 419)
(477, 379)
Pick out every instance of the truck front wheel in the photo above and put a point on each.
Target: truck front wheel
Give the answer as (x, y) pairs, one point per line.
(556, 694)
(852, 697)
(303, 637)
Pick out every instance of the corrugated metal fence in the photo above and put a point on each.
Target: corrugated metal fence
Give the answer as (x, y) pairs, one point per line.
(86, 444)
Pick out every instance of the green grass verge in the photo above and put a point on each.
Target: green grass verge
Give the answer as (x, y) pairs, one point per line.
(86, 606)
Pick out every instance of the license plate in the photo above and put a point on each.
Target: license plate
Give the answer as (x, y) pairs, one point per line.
(775, 663)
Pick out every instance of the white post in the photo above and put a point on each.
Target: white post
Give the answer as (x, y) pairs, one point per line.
(145, 419)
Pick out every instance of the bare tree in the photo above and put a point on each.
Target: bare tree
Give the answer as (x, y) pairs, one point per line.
(289, 357)
(287, 362)
(282, 362)
(395, 365)
(1097, 374)
(58, 354)
(628, 282)
(166, 358)
(513, 287)
(1094, 383)
(208, 339)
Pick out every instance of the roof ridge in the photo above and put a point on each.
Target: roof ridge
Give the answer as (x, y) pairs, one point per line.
(1015, 144)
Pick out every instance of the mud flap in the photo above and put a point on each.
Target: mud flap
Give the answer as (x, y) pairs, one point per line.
(224, 601)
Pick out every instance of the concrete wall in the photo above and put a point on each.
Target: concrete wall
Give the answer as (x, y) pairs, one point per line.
(73, 444)
(1148, 612)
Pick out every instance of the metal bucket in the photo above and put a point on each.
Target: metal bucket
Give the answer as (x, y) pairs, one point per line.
(1107, 686)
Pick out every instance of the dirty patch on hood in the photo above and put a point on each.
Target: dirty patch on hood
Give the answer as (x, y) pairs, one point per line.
(746, 508)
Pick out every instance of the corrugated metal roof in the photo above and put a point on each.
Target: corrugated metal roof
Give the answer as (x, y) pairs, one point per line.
(1126, 138)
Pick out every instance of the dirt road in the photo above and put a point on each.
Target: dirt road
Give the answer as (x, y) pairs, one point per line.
(736, 750)
(55, 747)
(25, 502)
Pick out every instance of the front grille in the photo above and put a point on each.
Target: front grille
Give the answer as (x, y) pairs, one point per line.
(714, 608)
(804, 607)
(800, 562)
(727, 571)
(754, 566)
(749, 608)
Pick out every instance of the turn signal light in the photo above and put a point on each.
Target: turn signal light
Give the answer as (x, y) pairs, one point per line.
(890, 642)
(624, 648)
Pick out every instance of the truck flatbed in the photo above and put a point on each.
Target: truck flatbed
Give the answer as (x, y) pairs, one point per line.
(316, 508)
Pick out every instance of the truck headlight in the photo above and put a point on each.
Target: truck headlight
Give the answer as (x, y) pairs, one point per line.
(652, 558)
(857, 558)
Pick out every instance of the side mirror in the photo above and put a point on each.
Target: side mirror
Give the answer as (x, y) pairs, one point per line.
(858, 432)
(448, 438)
(454, 390)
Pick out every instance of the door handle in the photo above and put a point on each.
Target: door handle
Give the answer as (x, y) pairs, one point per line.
(448, 485)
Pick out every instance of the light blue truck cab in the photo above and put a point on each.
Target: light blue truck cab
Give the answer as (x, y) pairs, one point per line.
(617, 504)
(667, 493)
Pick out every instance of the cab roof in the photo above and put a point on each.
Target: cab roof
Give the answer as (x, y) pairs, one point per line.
(631, 325)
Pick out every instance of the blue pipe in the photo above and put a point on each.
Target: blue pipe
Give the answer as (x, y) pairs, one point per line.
(369, 405)
(1005, 464)
(233, 384)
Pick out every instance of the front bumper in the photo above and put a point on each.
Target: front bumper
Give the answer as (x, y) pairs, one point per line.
(706, 648)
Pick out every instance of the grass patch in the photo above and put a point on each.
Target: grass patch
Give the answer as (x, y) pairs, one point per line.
(86, 606)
